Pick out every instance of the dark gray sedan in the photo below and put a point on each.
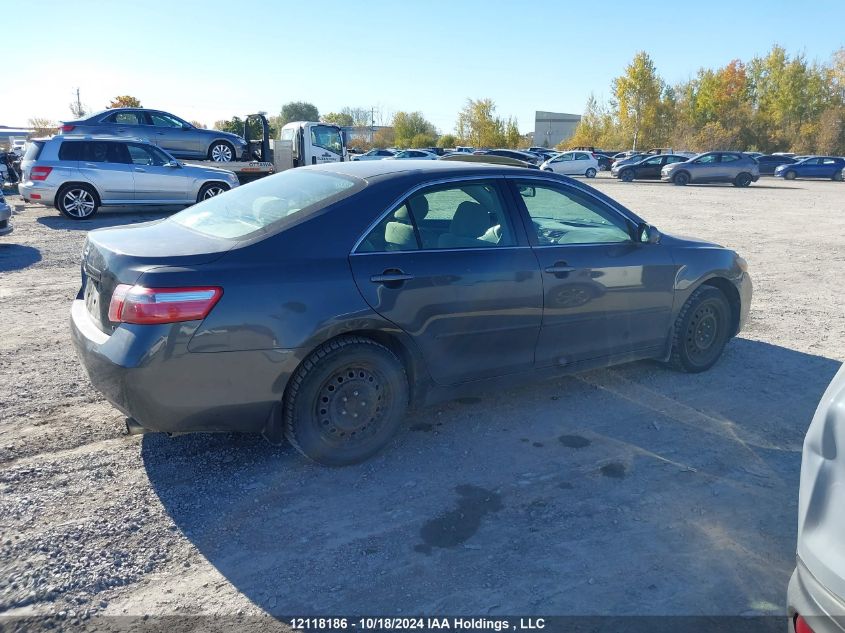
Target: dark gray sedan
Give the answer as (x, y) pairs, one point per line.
(317, 304)
(166, 130)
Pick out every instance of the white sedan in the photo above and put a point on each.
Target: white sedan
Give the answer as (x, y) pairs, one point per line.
(416, 154)
(375, 154)
(573, 164)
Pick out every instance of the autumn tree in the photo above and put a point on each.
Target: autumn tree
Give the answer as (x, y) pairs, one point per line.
(447, 140)
(338, 118)
(42, 127)
(298, 111)
(637, 99)
(479, 126)
(411, 129)
(124, 101)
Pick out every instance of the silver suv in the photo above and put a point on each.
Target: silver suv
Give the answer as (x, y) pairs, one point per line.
(78, 174)
(166, 130)
(734, 167)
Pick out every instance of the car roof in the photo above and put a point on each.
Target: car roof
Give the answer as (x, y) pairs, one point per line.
(430, 168)
(100, 137)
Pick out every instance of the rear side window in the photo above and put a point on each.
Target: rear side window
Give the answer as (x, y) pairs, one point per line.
(72, 150)
(265, 206)
(102, 152)
(33, 150)
(124, 118)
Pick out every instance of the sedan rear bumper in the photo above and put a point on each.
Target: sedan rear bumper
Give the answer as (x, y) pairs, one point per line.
(148, 374)
(806, 596)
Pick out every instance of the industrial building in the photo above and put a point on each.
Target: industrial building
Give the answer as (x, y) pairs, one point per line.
(551, 128)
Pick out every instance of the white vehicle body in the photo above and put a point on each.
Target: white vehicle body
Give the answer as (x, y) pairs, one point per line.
(308, 143)
(17, 144)
(414, 154)
(375, 154)
(575, 163)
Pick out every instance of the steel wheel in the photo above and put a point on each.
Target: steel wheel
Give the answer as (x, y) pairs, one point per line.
(701, 330)
(352, 404)
(77, 203)
(221, 153)
(345, 401)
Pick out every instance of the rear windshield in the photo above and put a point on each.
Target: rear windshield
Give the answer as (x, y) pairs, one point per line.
(33, 150)
(263, 206)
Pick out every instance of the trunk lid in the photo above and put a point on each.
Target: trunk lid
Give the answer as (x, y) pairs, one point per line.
(121, 255)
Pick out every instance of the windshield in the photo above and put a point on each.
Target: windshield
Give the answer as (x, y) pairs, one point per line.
(327, 137)
(262, 206)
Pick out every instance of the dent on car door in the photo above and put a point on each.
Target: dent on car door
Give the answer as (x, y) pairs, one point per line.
(451, 268)
(605, 294)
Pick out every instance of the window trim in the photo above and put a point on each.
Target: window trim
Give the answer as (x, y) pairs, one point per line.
(399, 201)
(553, 184)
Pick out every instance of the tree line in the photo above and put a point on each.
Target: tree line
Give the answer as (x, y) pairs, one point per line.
(774, 102)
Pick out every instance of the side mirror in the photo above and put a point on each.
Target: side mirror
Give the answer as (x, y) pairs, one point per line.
(173, 163)
(647, 234)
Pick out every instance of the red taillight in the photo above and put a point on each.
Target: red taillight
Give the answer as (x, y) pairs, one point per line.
(801, 625)
(67, 127)
(148, 306)
(40, 173)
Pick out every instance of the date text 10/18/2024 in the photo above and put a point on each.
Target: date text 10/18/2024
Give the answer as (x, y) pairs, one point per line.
(419, 624)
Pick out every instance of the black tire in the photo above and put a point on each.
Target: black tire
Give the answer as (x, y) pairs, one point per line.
(838, 176)
(790, 175)
(627, 175)
(78, 201)
(701, 331)
(681, 179)
(743, 180)
(221, 152)
(346, 375)
(211, 189)
(590, 173)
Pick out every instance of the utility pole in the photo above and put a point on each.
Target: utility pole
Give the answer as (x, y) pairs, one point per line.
(372, 124)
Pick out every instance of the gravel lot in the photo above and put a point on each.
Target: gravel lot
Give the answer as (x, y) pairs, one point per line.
(633, 490)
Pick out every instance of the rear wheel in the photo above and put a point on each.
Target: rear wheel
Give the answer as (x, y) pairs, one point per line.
(221, 152)
(701, 330)
(211, 189)
(681, 178)
(77, 202)
(790, 175)
(743, 180)
(627, 175)
(590, 173)
(345, 402)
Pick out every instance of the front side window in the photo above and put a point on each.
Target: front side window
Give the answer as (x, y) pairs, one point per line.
(123, 118)
(160, 119)
(466, 215)
(565, 216)
(327, 137)
(562, 158)
(707, 159)
(147, 155)
(654, 162)
(675, 159)
(729, 158)
(267, 205)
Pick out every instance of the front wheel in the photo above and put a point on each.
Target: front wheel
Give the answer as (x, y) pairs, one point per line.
(701, 331)
(211, 189)
(681, 178)
(743, 180)
(221, 152)
(590, 173)
(77, 202)
(790, 175)
(838, 175)
(345, 401)
(627, 175)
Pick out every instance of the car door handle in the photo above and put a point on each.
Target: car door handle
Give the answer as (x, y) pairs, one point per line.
(560, 267)
(140, 169)
(120, 129)
(91, 164)
(390, 276)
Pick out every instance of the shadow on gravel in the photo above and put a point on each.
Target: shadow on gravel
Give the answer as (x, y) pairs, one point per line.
(17, 256)
(103, 219)
(633, 490)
